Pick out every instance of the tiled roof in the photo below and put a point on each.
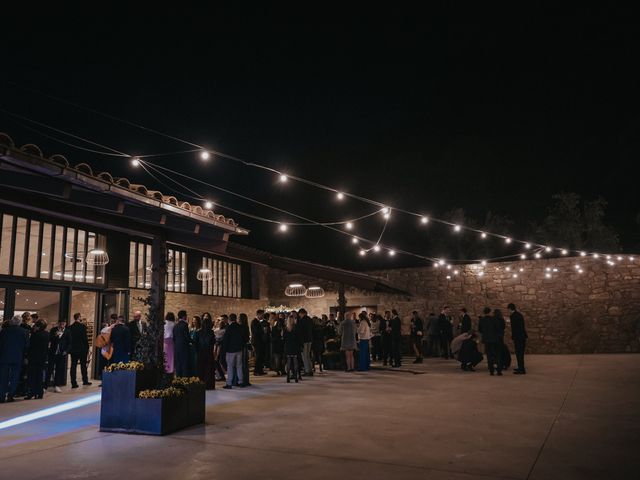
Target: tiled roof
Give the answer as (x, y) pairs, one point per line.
(85, 169)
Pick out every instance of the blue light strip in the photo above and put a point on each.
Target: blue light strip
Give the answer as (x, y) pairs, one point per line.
(47, 412)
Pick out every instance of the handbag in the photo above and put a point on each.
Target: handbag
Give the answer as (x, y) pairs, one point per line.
(103, 340)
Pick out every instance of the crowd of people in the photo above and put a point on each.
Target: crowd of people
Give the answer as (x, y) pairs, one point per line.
(291, 344)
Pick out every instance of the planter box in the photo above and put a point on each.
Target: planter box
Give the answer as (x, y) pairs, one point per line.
(122, 411)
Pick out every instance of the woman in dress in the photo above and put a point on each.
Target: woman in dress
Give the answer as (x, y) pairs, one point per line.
(292, 348)
(364, 334)
(348, 341)
(169, 323)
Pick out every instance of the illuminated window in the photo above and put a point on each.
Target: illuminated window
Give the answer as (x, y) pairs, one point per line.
(226, 278)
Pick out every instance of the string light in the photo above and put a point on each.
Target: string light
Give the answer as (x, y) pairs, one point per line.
(424, 220)
(376, 248)
(564, 251)
(387, 215)
(283, 227)
(608, 257)
(363, 252)
(508, 269)
(547, 249)
(631, 259)
(537, 255)
(448, 267)
(204, 155)
(620, 259)
(340, 196)
(436, 265)
(515, 275)
(455, 272)
(507, 240)
(348, 225)
(441, 262)
(208, 205)
(354, 240)
(385, 210)
(483, 263)
(595, 255)
(527, 246)
(583, 254)
(523, 257)
(483, 235)
(283, 178)
(392, 253)
(456, 228)
(135, 161)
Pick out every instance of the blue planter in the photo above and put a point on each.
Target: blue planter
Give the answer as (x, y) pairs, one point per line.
(122, 411)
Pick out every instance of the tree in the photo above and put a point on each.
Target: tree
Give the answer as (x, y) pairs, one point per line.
(577, 224)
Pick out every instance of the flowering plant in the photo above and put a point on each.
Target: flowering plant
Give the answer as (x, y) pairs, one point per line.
(124, 366)
(169, 392)
(184, 381)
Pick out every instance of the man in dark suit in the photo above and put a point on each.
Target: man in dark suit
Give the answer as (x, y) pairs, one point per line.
(257, 343)
(79, 350)
(465, 321)
(385, 333)
(305, 332)
(491, 327)
(14, 342)
(136, 329)
(519, 337)
(121, 342)
(446, 331)
(181, 343)
(37, 358)
(59, 346)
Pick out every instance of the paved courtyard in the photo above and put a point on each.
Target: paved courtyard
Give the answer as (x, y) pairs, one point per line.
(572, 417)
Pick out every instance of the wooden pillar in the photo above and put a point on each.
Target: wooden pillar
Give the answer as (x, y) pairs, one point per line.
(342, 302)
(157, 293)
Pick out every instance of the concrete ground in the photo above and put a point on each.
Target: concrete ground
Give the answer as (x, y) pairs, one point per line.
(571, 417)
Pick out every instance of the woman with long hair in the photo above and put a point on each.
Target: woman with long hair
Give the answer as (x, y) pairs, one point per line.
(169, 323)
(277, 344)
(218, 354)
(364, 335)
(194, 327)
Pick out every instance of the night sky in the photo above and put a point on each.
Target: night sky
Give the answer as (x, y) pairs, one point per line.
(427, 111)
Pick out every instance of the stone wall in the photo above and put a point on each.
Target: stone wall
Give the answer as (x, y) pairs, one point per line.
(593, 312)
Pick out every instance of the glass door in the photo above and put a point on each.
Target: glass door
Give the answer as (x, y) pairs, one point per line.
(46, 303)
(112, 302)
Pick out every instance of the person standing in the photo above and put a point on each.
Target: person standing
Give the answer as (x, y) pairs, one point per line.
(194, 328)
(37, 358)
(266, 341)
(364, 336)
(79, 350)
(243, 321)
(59, 345)
(318, 342)
(491, 327)
(277, 343)
(433, 335)
(257, 342)
(519, 337)
(446, 332)
(121, 342)
(14, 342)
(181, 345)
(465, 321)
(385, 333)
(305, 327)
(137, 329)
(417, 334)
(347, 330)
(396, 339)
(376, 340)
(169, 324)
(292, 347)
(204, 341)
(233, 342)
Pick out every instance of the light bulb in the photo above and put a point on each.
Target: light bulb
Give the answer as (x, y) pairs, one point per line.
(424, 220)
(631, 259)
(387, 215)
(363, 252)
(619, 258)
(348, 225)
(515, 275)
(508, 269)
(436, 265)
(507, 240)
(608, 257)
(564, 251)
(392, 253)
(456, 228)
(204, 155)
(283, 178)
(208, 205)
(595, 255)
(583, 254)
(441, 262)
(376, 248)
(521, 270)
(283, 227)
(523, 257)
(135, 161)
(448, 267)
(385, 210)
(448, 277)
(527, 246)
(354, 240)
(537, 255)
(483, 263)
(455, 272)
(483, 235)
(547, 249)
(548, 269)
(340, 196)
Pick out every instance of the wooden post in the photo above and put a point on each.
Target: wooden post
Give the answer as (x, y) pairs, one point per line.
(158, 288)
(342, 302)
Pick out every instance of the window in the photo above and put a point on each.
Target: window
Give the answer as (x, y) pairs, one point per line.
(140, 268)
(30, 248)
(226, 280)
